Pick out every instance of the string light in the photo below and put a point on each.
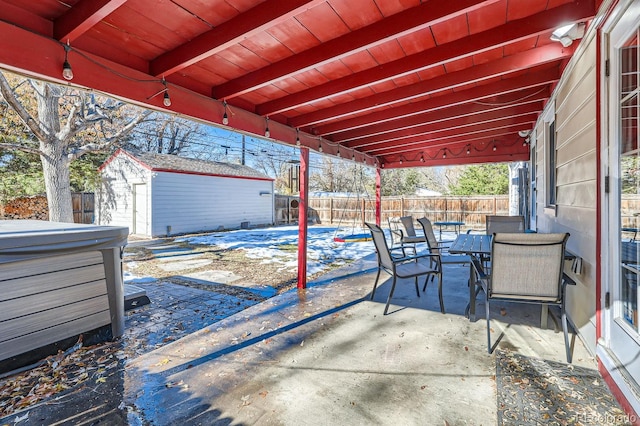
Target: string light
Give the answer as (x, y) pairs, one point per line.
(468, 150)
(422, 158)
(444, 154)
(338, 152)
(267, 133)
(320, 147)
(494, 147)
(297, 137)
(225, 117)
(67, 72)
(166, 99)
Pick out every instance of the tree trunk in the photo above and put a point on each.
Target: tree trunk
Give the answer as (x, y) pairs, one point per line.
(57, 182)
(55, 165)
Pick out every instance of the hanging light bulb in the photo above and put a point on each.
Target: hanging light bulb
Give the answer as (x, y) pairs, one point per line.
(401, 161)
(267, 133)
(494, 147)
(166, 100)
(225, 117)
(468, 150)
(444, 154)
(67, 72)
(297, 137)
(320, 147)
(338, 152)
(422, 158)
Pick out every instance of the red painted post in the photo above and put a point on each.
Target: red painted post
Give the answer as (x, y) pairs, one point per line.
(378, 196)
(302, 218)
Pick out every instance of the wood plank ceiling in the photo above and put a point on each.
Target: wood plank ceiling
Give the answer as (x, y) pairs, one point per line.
(395, 83)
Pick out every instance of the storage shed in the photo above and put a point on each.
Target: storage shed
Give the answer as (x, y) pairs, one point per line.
(159, 194)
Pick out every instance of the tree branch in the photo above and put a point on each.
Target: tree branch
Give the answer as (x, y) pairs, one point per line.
(9, 96)
(19, 147)
(94, 147)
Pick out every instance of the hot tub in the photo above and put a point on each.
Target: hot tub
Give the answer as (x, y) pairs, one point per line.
(58, 281)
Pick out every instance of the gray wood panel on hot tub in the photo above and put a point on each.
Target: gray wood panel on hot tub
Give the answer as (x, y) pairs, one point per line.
(58, 281)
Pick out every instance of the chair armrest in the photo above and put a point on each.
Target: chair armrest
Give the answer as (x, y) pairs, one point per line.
(482, 275)
(567, 279)
(420, 256)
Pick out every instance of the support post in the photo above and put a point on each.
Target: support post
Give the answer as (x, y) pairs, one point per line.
(378, 196)
(302, 217)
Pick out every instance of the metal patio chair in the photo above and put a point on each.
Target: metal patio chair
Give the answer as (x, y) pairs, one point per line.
(403, 266)
(526, 268)
(495, 224)
(438, 248)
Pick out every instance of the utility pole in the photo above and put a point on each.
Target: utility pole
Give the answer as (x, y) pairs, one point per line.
(242, 162)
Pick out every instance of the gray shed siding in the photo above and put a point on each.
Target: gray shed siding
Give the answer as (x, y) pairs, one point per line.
(115, 196)
(191, 203)
(576, 186)
(181, 201)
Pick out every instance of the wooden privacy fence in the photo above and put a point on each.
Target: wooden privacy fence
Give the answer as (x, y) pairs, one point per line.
(354, 211)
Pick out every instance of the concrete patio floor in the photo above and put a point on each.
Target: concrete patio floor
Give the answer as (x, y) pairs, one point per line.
(327, 355)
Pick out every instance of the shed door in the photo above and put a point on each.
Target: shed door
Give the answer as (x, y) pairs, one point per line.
(140, 209)
(623, 199)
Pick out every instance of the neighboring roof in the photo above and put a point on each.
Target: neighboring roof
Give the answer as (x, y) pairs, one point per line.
(173, 163)
(424, 192)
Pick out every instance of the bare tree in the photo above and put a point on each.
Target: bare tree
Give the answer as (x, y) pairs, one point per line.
(63, 125)
(168, 134)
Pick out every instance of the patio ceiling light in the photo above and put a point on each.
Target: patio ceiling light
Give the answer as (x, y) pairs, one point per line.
(67, 72)
(568, 33)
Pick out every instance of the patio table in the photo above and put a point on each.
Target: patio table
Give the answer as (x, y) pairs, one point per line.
(456, 226)
(473, 245)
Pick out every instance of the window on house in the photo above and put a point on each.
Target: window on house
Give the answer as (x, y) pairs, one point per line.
(551, 164)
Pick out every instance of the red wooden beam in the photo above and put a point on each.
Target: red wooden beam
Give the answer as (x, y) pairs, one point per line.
(483, 133)
(302, 218)
(517, 62)
(471, 112)
(378, 196)
(513, 31)
(505, 157)
(82, 17)
(402, 23)
(517, 85)
(264, 15)
(480, 152)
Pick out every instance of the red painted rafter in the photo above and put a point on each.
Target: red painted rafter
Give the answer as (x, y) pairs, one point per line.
(506, 86)
(497, 68)
(512, 31)
(515, 152)
(469, 112)
(475, 131)
(261, 17)
(402, 23)
(502, 139)
(82, 17)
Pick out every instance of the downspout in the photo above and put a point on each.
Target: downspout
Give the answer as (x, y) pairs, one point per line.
(378, 196)
(302, 218)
